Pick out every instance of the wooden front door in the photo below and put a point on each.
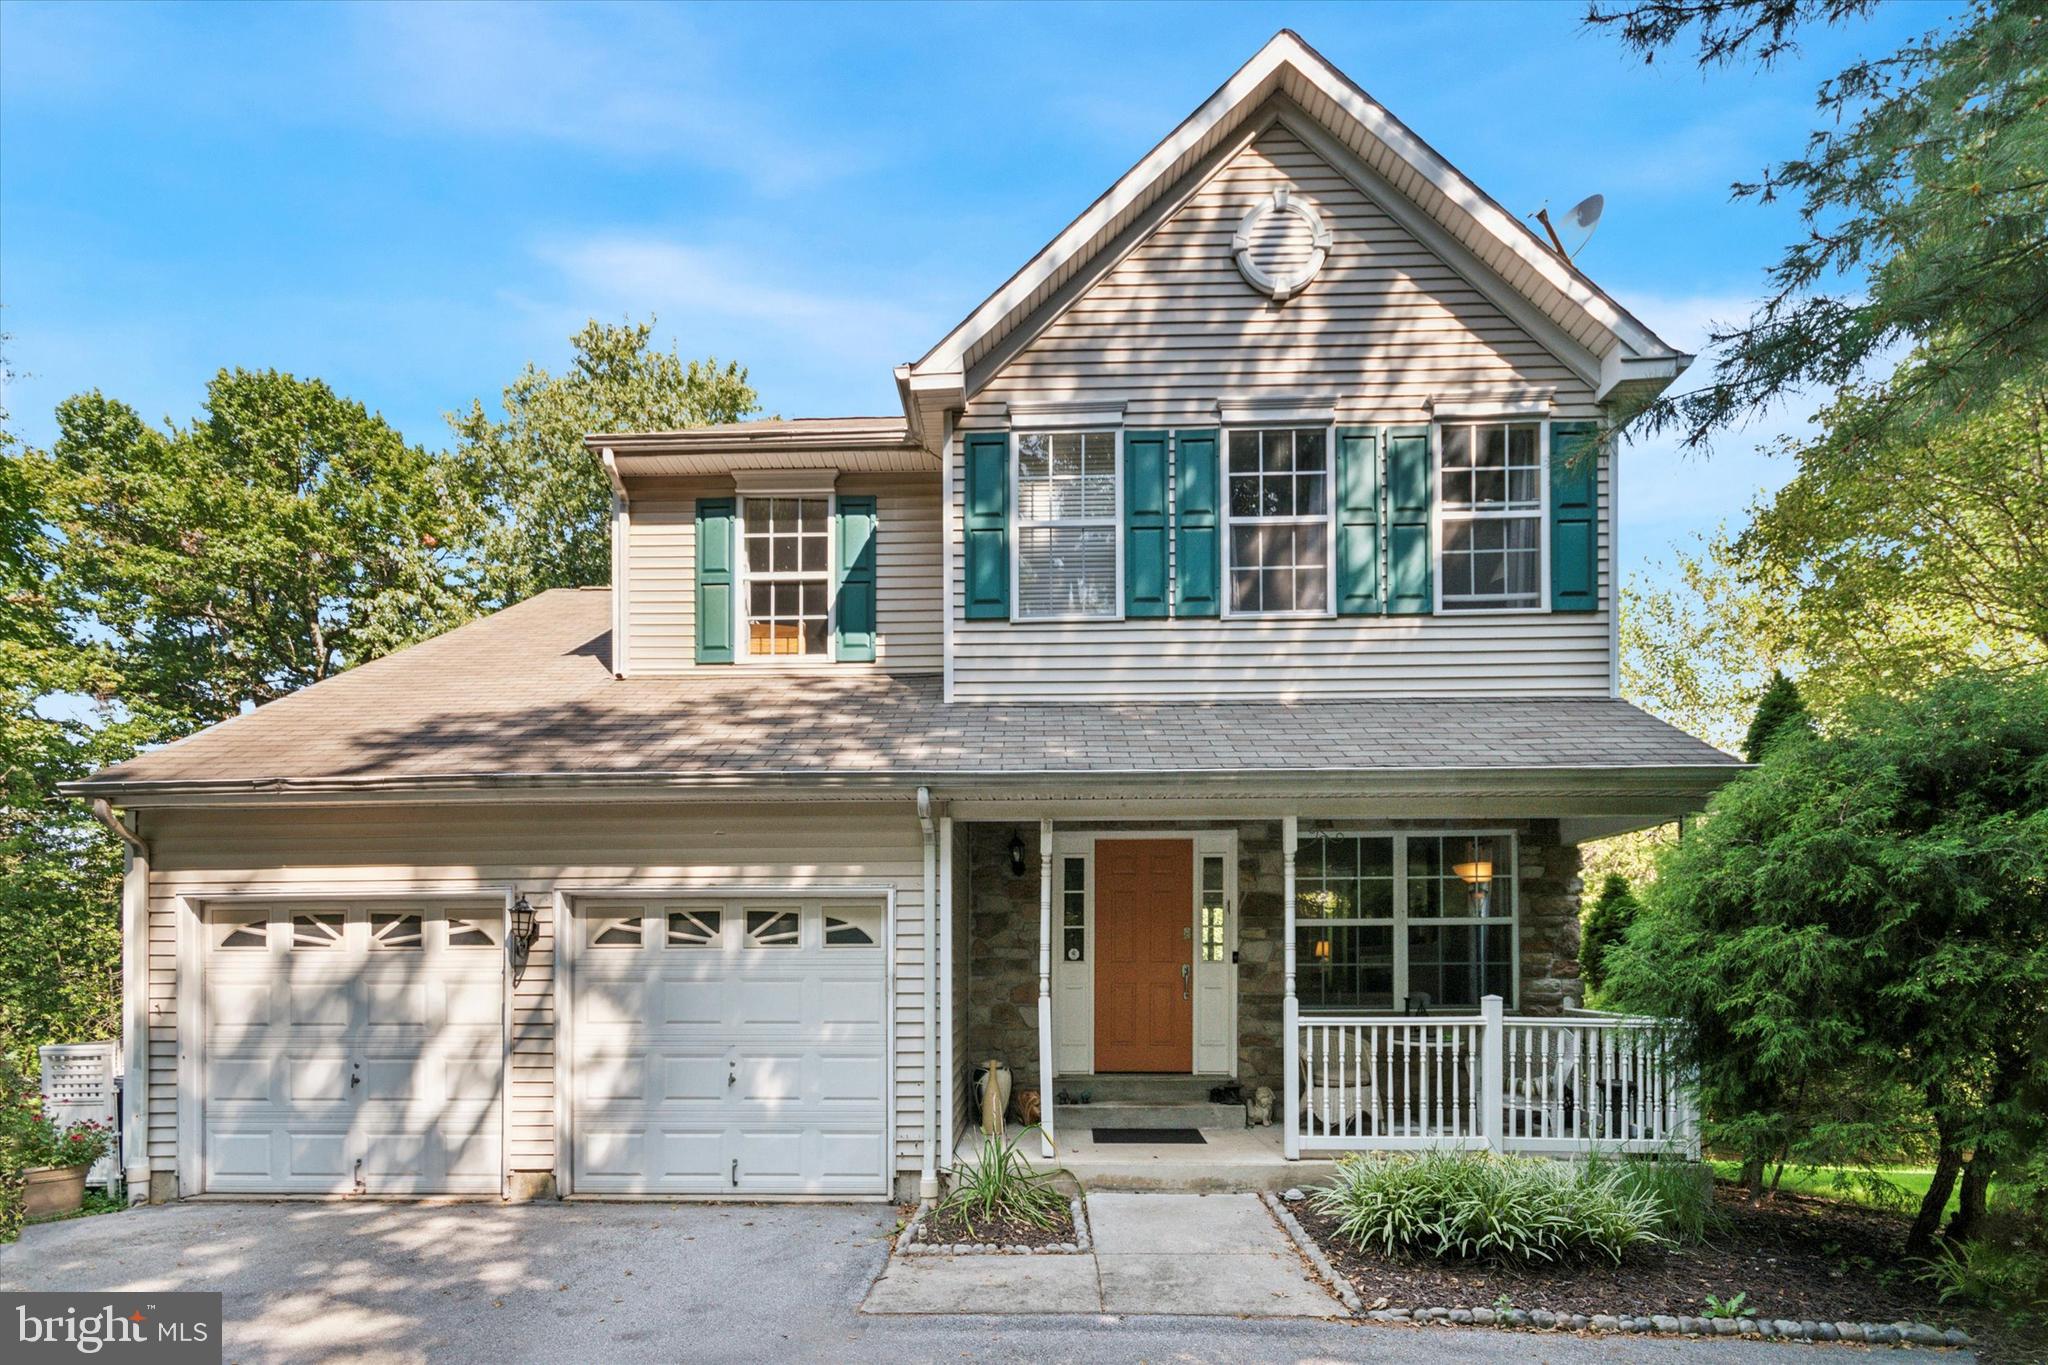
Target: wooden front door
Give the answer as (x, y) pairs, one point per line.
(1144, 954)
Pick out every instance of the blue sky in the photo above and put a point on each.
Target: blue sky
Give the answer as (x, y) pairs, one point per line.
(413, 201)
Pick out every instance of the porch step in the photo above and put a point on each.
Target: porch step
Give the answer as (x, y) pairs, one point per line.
(1076, 1118)
(1140, 1088)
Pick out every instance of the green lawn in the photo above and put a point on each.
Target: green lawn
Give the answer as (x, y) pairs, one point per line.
(1912, 1182)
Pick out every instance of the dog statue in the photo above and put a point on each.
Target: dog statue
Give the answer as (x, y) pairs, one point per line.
(1030, 1109)
(1260, 1110)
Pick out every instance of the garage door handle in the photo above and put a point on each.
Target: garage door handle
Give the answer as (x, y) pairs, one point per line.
(355, 1077)
(735, 1172)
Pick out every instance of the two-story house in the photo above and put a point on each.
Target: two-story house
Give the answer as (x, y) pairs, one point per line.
(1207, 677)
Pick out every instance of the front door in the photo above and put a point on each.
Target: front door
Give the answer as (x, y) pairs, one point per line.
(1144, 954)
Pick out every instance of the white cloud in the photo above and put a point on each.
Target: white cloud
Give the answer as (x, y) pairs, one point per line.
(727, 292)
(639, 81)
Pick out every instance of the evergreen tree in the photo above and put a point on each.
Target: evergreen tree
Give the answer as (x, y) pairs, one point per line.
(1605, 924)
(1780, 711)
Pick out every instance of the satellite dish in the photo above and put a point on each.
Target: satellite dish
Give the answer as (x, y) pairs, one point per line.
(1579, 221)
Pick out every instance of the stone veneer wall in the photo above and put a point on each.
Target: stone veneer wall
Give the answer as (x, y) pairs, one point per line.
(1002, 964)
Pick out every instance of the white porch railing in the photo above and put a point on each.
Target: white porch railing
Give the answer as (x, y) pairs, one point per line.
(1571, 1084)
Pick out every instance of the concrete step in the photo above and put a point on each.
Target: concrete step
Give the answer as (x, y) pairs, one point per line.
(1074, 1118)
(1121, 1088)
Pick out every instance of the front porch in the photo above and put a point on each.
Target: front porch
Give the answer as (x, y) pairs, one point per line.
(1380, 986)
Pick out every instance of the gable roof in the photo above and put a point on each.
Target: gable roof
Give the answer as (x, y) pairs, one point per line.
(1627, 350)
(524, 702)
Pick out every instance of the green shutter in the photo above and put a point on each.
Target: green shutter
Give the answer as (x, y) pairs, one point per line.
(1358, 523)
(988, 526)
(716, 548)
(1145, 523)
(854, 604)
(1574, 516)
(1409, 486)
(1197, 513)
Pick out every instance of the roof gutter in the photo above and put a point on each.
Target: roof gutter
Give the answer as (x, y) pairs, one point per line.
(815, 785)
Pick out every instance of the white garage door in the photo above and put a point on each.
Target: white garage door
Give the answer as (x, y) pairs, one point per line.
(354, 1047)
(730, 1047)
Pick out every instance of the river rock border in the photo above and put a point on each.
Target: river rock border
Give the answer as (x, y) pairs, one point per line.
(911, 1242)
(1313, 1254)
(1662, 1324)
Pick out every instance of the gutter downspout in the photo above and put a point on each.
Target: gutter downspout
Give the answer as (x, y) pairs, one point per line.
(134, 1001)
(928, 1171)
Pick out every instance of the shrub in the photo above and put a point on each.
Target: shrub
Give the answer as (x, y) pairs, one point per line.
(13, 1202)
(998, 1183)
(2004, 1267)
(1483, 1207)
(28, 1137)
(1683, 1191)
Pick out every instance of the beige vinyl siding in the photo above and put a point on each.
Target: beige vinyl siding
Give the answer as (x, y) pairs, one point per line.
(539, 850)
(661, 621)
(1386, 327)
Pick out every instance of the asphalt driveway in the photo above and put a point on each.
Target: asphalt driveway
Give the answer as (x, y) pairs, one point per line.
(629, 1282)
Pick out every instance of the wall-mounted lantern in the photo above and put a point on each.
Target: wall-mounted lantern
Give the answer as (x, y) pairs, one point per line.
(1016, 855)
(525, 925)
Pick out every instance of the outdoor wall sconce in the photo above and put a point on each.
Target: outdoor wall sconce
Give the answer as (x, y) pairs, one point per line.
(1016, 855)
(525, 926)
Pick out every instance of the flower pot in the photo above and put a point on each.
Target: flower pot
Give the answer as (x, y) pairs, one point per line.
(54, 1189)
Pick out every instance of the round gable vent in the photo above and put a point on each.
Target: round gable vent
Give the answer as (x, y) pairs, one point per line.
(1280, 245)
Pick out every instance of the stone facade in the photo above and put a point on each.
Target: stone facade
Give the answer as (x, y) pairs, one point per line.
(1002, 960)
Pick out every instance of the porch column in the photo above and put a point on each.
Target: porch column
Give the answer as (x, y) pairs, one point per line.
(1290, 1011)
(1045, 1085)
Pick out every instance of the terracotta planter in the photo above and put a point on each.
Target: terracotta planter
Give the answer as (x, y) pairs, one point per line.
(55, 1189)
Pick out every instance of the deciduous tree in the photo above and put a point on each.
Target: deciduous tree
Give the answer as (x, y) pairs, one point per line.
(284, 535)
(540, 507)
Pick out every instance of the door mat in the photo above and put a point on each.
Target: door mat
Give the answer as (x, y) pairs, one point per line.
(1149, 1135)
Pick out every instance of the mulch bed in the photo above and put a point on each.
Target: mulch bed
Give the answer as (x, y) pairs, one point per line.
(1795, 1257)
(945, 1227)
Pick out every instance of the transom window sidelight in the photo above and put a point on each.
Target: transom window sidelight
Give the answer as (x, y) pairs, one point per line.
(1279, 508)
(1404, 921)
(1067, 525)
(789, 576)
(1490, 482)
(1074, 909)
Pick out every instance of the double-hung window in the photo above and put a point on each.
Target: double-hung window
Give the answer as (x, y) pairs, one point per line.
(789, 576)
(1490, 478)
(1279, 506)
(1067, 510)
(1386, 921)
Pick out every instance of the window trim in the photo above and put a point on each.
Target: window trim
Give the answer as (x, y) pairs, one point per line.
(743, 578)
(1018, 522)
(1541, 512)
(1400, 921)
(1329, 612)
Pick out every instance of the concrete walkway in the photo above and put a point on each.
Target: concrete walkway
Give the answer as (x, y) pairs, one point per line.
(1209, 1254)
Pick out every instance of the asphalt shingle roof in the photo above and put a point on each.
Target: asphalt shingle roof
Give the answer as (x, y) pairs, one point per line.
(529, 692)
